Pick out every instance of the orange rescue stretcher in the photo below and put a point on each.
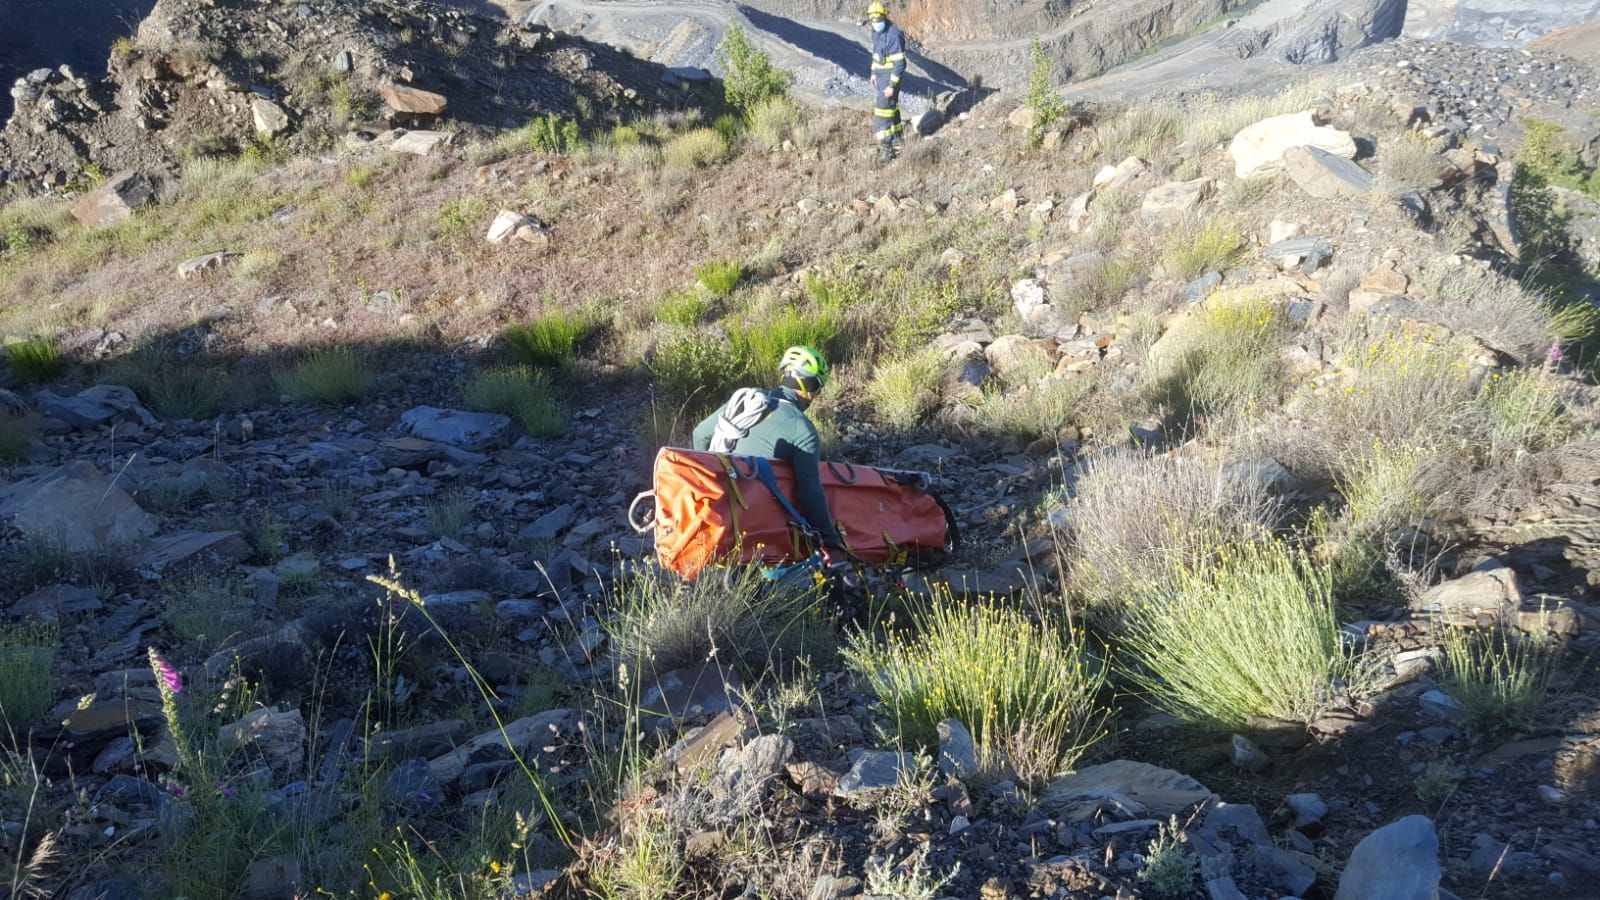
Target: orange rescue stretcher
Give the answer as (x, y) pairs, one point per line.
(712, 508)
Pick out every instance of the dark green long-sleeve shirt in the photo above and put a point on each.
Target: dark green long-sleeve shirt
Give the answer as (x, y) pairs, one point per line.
(786, 434)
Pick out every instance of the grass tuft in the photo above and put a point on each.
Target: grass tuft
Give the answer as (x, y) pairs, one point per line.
(1500, 680)
(1137, 521)
(333, 377)
(1224, 360)
(34, 359)
(523, 394)
(905, 391)
(27, 667)
(695, 149)
(696, 364)
(550, 340)
(719, 277)
(1036, 411)
(685, 309)
(1027, 691)
(1204, 656)
(1212, 247)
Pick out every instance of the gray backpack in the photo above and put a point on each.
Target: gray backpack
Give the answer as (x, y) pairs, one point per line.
(744, 411)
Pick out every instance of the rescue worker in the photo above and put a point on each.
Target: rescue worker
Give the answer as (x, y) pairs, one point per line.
(773, 424)
(888, 67)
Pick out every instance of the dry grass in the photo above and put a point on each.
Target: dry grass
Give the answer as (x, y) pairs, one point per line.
(1138, 520)
(1469, 299)
(904, 391)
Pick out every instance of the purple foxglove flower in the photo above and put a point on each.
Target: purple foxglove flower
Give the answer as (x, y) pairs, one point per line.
(171, 679)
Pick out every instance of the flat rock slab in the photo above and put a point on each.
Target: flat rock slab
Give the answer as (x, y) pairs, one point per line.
(421, 143)
(92, 407)
(1133, 788)
(174, 549)
(529, 736)
(1175, 199)
(691, 693)
(1326, 176)
(472, 430)
(76, 507)
(413, 101)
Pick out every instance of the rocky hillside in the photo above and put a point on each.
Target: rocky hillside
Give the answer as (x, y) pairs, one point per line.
(198, 77)
(1270, 423)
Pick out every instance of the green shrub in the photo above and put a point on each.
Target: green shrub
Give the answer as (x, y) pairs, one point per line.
(1225, 358)
(1500, 680)
(550, 340)
(460, 219)
(1027, 691)
(333, 377)
(27, 669)
(749, 77)
(551, 133)
(1213, 247)
(719, 277)
(1042, 97)
(1036, 411)
(697, 365)
(774, 121)
(523, 394)
(1548, 157)
(696, 149)
(1251, 634)
(35, 359)
(763, 341)
(729, 126)
(685, 309)
(905, 391)
(1169, 869)
(1136, 521)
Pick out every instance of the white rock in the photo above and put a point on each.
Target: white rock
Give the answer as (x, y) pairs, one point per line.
(1258, 149)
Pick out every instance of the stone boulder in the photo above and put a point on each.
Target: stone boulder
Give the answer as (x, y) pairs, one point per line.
(412, 101)
(1259, 149)
(1399, 861)
(268, 118)
(512, 225)
(1113, 177)
(200, 265)
(742, 775)
(1015, 356)
(472, 430)
(93, 407)
(876, 770)
(1488, 590)
(114, 201)
(77, 507)
(1175, 200)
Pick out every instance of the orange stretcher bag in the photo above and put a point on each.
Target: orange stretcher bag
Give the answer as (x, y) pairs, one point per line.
(721, 507)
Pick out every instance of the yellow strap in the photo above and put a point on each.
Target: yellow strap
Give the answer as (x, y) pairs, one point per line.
(887, 113)
(733, 480)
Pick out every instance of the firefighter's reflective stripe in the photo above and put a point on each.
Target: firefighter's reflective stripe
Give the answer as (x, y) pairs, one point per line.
(888, 113)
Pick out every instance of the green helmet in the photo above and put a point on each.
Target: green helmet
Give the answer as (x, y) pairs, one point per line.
(806, 366)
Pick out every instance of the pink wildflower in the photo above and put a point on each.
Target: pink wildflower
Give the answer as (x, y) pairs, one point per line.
(1554, 354)
(171, 681)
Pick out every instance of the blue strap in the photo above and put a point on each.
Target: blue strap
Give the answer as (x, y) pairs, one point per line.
(764, 473)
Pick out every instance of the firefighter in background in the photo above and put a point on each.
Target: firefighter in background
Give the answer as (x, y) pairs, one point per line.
(888, 67)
